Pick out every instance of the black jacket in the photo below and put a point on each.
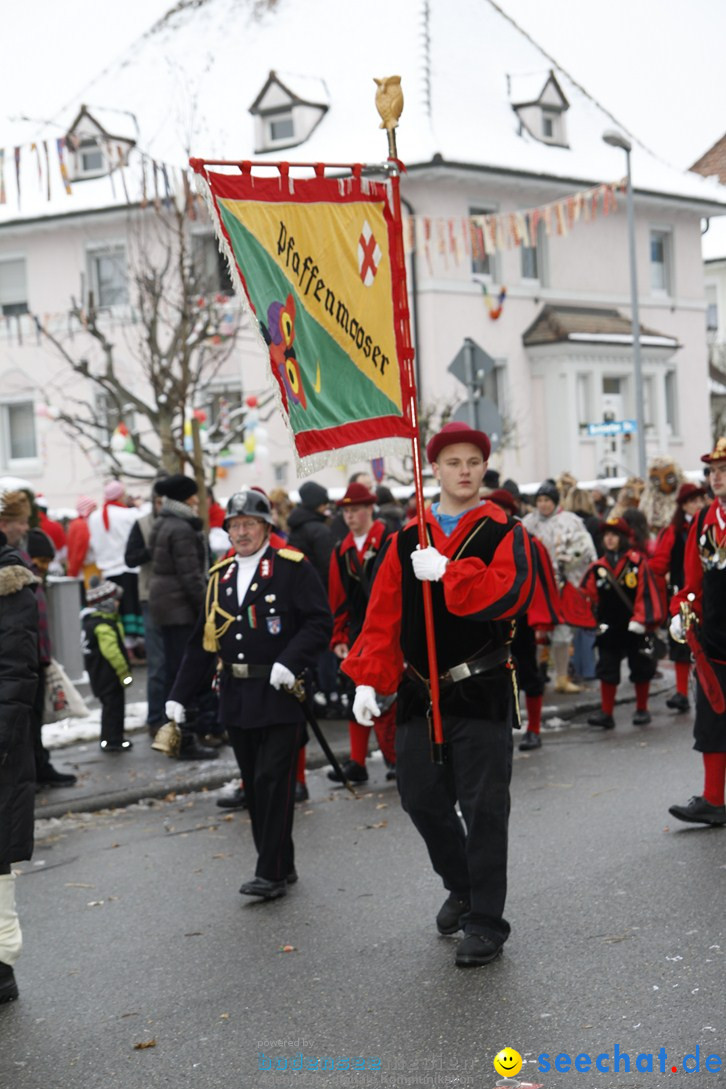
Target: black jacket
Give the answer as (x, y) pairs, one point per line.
(176, 590)
(19, 671)
(310, 532)
(284, 618)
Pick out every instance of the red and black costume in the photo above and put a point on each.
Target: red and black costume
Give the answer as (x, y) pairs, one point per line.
(487, 583)
(624, 593)
(350, 582)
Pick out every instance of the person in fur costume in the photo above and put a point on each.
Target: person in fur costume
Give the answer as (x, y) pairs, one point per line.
(659, 499)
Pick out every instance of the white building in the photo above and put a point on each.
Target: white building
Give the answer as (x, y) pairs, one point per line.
(490, 128)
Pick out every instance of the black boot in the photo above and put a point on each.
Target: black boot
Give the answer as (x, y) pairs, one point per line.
(190, 749)
(602, 719)
(8, 986)
(678, 702)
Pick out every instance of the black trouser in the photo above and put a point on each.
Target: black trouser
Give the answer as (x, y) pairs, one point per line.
(112, 714)
(612, 647)
(471, 862)
(41, 754)
(176, 637)
(267, 758)
(524, 650)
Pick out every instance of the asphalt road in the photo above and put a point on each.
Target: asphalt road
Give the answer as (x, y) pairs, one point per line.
(135, 933)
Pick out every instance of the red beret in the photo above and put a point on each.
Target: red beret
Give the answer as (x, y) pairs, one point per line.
(457, 432)
(504, 499)
(718, 453)
(357, 495)
(617, 525)
(689, 491)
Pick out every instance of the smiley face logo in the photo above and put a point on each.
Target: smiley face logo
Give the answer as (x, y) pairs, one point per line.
(508, 1062)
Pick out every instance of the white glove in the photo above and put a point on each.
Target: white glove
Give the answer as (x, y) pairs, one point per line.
(676, 628)
(636, 627)
(281, 677)
(365, 705)
(428, 564)
(175, 712)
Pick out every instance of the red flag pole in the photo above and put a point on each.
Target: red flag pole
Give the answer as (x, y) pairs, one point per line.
(390, 120)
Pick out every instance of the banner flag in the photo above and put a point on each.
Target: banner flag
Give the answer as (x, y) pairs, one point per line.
(319, 262)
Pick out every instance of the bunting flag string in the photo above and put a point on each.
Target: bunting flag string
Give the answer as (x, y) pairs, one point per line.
(478, 237)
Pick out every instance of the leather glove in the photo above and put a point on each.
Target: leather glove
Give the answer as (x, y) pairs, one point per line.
(365, 705)
(636, 627)
(175, 712)
(676, 628)
(428, 564)
(281, 676)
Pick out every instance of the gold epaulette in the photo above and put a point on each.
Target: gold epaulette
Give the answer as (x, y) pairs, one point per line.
(221, 563)
(290, 554)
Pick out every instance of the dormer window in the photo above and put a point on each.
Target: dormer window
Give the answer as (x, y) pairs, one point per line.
(541, 110)
(287, 110)
(99, 143)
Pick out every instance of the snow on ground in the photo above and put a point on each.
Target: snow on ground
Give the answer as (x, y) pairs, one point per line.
(58, 734)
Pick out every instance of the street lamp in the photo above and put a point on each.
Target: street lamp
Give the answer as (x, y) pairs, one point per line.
(616, 139)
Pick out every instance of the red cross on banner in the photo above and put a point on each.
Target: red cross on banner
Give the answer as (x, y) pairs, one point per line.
(369, 254)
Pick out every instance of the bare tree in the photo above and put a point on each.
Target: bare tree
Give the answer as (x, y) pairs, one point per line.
(179, 337)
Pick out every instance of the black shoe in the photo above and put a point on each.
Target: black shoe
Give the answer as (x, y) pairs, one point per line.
(474, 950)
(50, 777)
(191, 749)
(448, 920)
(678, 702)
(215, 741)
(235, 800)
(390, 774)
(530, 741)
(292, 877)
(117, 746)
(601, 719)
(266, 890)
(641, 718)
(699, 811)
(302, 794)
(8, 986)
(354, 773)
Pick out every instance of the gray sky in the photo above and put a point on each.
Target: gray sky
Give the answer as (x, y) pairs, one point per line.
(656, 64)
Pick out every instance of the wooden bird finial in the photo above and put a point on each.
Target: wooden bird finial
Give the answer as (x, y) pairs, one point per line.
(389, 103)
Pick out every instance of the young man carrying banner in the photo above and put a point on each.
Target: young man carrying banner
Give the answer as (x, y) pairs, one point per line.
(480, 565)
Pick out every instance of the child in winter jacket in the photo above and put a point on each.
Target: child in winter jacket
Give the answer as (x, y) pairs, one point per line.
(106, 661)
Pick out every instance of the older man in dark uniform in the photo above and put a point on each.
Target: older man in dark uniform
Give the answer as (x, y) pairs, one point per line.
(480, 565)
(266, 620)
(704, 568)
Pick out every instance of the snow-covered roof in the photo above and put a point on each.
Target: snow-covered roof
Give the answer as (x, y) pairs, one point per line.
(190, 80)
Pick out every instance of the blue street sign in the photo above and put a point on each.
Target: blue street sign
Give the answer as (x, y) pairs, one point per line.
(613, 427)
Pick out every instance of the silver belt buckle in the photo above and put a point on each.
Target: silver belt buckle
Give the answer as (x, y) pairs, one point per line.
(460, 672)
(240, 671)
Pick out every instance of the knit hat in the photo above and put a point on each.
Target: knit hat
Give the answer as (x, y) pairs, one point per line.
(357, 495)
(14, 506)
(549, 489)
(177, 486)
(85, 505)
(113, 491)
(384, 495)
(40, 545)
(512, 487)
(102, 592)
(491, 479)
(313, 495)
(454, 432)
(689, 491)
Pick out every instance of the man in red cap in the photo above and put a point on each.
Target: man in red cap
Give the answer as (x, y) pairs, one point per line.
(350, 581)
(705, 591)
(479, 564)
(626, 602)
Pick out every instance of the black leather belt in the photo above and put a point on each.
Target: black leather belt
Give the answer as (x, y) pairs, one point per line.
(243, 672)
(468, 669)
